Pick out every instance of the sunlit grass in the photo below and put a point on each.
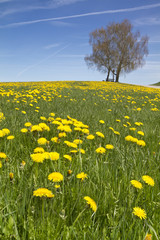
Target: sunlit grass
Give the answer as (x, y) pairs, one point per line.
(107, 134)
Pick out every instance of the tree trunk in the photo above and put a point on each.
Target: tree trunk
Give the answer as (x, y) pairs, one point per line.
(117, 77)
(107, 79)
(118, 73)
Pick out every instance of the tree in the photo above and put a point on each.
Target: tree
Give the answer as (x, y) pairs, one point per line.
(117, 49)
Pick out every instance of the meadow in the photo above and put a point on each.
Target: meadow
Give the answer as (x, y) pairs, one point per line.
(79, 160)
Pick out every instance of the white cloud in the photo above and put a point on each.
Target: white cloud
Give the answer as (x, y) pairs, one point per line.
(62, 24)
(145, 7)
(54, 45)
(147, 21)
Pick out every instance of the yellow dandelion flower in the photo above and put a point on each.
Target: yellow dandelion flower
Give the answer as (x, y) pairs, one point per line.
(57, 186)
(109, 146)
(37, 157)
(100, 150)
(62, 134)
(6, 131)
(27, 124)
(42, 141)
(99, 134)
(24, 112)
(128, 138)
(2, 134)
(148, 237)
(136, 184)
(69, 172)
(147, 179)
(3, 155)
(74, 151)
(68, 157)
(141, 143)
(39, 150)
(90, 137)
(101, 121)
(0, 164)
(139, 212)
(126, 117)
(82, 151)
(116, 132)
(11, 175)
(55, 139)
(10, 137)
(44, 127)
(35, 128)
(140, 133)
(78, 141)
(54, 156)
(81, 176)
(43, 192)
(55, 177)
(24, 130)
(91, 203)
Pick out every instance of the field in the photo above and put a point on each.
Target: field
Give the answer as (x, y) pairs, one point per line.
(79, 160)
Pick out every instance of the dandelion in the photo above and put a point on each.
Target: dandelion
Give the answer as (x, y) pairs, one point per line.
(24, 112)
(147, 179)
(11, 175)
(91, 203)
(24, 130)
(148, 237)
(128, 138)
(27, 124)
(136, 184)
(6, 131)
(42, 141)
(82, 151)
(54, 156)
(78, 141)
(68, 157)
(37, 157)
(0, 164)
(10, 137)
(55, 177)
(35, 128)
(57, 186)
(3, 155)
(109, 146)
(90, 137)
(82, 176)
(69, 172)
(99, 134)
(139, 212)
(39, 150)
(141, 143)
(55, 139)
(101, 150)
(101, 121)
(62, 134)
(140, 133)
(43, 192)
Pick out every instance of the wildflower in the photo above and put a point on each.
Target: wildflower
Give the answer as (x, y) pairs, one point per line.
(10, 137)
(24, 112)
(44, 127)
(23, 163)
(147, 179)
(0, 164)
(78, 141)
(126, 117)
(62, 134)
(128, 138)
(6, 131)
(74, 151)
(90, 137)
(109, 110)
(69, 172)
(132, 129)
(27, 124)
(99, 134)
(141, 143)
(52, 114)
(24, 130)
(55, 139)
(101, 121)
(91, 203)
(43, 192)
(148, 237)
(82, 176)
(101, 150)
(57, 186)
(39, 150)
(2, 134)
(68, 157)
(35, 128)
(136, 184)
(86, 131)
(140, 133)
(37, 157)
(118, 120)
(139, 212)
(11, 175)
(55, 177)
(42, 141)
(109, 146)
(82, 151)
(3, 155)
(43, 118)
(116, 132)
(54, 156)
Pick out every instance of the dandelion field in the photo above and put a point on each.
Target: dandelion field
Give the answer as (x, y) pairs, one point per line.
(79, 160)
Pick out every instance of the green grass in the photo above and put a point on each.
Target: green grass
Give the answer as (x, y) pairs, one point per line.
(156, 84)
(67, 215)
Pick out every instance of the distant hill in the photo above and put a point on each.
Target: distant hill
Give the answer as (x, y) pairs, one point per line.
(155, 84)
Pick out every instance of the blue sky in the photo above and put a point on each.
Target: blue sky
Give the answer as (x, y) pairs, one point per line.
(47, 40)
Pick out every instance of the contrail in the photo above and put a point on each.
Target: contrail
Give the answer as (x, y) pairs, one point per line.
(145, 7)
(43, 60)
